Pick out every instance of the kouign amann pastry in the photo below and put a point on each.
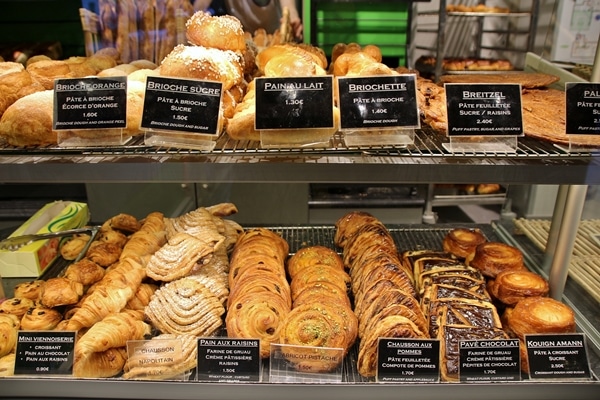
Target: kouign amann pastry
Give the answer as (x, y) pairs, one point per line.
(491, 258)
(462, 241)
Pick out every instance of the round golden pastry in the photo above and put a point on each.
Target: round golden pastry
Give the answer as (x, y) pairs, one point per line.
(74, 246)
(28, 121)
(491, 258)
(320, 292)
(12, 86)
(31, 290)
(205, 63)
(540, 315)
(9, 327)
(16, 306)
(313, 274)
(509, 287)
(40, 318)
(311, 255)
(223, 32)
(315, 330)
(462, 241)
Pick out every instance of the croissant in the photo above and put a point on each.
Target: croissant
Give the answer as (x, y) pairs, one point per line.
(104, 364)
(142, 297)
(110, 295)
(143, 243)
(112, 332)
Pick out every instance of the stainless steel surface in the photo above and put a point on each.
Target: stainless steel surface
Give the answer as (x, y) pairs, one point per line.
(425, 161)
(566, 239)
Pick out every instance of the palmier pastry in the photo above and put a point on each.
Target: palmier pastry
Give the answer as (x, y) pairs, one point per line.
(40, 319)
(220, 32)
(491, 258)
(16, 306)
(323, 324)
(461, 241)
(511, 286)
(60, 292)
(30, 290)
(540, 315)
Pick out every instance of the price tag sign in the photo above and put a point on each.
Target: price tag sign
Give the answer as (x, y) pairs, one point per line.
(182, 105)
(90, 103)
(489, 360)
(44, 352)
(408, 360)
(583, 108)
(294, 103)
(378, 102)
(561, 356)
(228, 360)
(484, 109)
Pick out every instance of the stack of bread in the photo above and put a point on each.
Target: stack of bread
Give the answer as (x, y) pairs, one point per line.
(260, 297)
(384, 294)
(321, 315)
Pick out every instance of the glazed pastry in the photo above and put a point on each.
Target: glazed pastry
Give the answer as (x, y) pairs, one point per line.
(112, 332)
(322, 324)
(185, 307)
(461, 241)
(268, 281)
(316, 273)
(61, 292)
(143, 243)
(321, 291)
(142, 297)
(540, 315)
(110, 295)
(9, 326)
(165, 368)
(382, 267)
(31, 290)
(393, 326)
(7, 364)
(84, 271)
(181, 254)
(125, 223)
(347, 225)
(16, 306)
(103, 253)
(511, 286)
(313, 255)
(103, 364)
(491, 258)
(258, 316)
(40, 319)
(74, 246)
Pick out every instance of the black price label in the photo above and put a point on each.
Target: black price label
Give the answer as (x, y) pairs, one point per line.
(557, 356)
(294, 103)
(484, 109)
(583, 108)
(489, 360)
(90, 103)
(378, 102)
(228, 360)
(182, 105)
(44, 352)
(408, 360)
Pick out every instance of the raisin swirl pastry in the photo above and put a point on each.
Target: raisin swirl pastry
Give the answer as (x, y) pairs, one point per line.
(40, 319)
(257, 315)
(31, 290)
(16, 306)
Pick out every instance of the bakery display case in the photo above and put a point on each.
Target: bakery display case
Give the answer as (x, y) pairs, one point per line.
(331, 169)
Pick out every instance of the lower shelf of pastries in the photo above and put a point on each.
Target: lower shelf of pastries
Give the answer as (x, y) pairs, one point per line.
(354, 383)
